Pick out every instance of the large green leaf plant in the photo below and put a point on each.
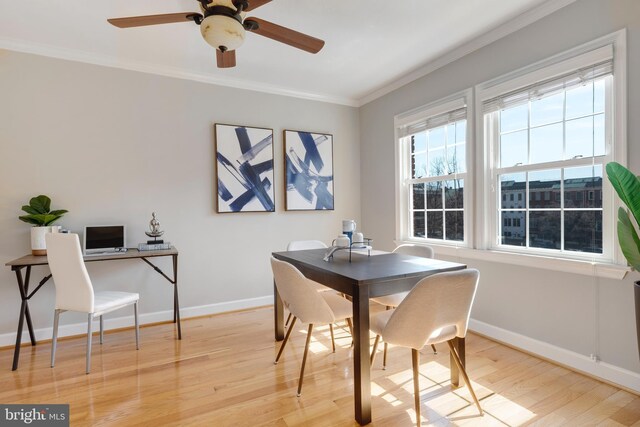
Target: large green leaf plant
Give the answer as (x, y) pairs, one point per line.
(627, 185)
(40, 213)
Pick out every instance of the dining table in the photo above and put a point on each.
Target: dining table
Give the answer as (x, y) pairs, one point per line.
(362, 275)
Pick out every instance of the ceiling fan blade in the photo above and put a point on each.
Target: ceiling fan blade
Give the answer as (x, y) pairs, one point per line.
(286, 35)
(254, 4)
(226, 59)
(141, 21)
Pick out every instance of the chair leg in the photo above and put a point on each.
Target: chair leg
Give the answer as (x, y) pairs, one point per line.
(375, 348)
(333, 341)
(286, 339)
(89, 321)
(435, 351)
(135, 316)
(54, 340)
(288, 319)
(465, 377)
(384, 357)
(101, 330)
(350, 325)
(304, 358)
(415, 356)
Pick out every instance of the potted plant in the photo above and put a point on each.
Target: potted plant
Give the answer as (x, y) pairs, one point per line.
(627, 185)
(39, 214)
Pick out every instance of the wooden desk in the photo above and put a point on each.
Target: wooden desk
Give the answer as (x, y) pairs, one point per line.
(365, 277)
(28, 261)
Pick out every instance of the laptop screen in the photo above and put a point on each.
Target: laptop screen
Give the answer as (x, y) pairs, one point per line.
(103, 238)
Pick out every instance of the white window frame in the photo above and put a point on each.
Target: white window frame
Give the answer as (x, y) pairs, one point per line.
(402, 168)
(615, 144)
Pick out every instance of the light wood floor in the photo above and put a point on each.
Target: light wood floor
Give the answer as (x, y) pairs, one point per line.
(222, 374)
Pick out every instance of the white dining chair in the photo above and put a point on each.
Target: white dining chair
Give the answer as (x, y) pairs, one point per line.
(301, 245)
(74, 291)
(436, 310)
(394, 300)
(306, 304)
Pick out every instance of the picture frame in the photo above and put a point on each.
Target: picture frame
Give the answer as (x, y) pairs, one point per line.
(244, 169)
(308, 171)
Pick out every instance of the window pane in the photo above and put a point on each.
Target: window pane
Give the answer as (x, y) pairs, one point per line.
(419, 142)
(598, 135)
(583, 231)
(515, 234)
(419, 165)
(598, 96)
(418, 196)
(512, 188)
(579, 137)
(544, 229)
(580, 101)
(514, 118)
(434, 225)
(544, 189)
(455, 225)
(461, 131)
(583, 187)
(513, 148)
(434, 195)
(456, 160)
(418, 224)
(546, 143)
(436, 137)
(437, 163)
(549, 109)
(454, 194)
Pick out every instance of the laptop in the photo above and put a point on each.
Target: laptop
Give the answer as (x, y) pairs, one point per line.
(104, 239)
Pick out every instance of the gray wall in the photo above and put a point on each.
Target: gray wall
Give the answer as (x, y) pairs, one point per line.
(578, 313)
(111, 146)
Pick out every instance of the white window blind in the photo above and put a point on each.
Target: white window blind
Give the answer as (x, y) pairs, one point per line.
(432, 122)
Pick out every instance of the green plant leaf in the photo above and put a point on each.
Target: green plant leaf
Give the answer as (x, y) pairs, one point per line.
(41, 203)
(628, 239)
(28, 209)
(29, 219)
(50, 219)
(627, 185)
(59, 212)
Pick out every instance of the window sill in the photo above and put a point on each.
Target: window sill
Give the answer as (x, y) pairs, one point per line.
(587, 268)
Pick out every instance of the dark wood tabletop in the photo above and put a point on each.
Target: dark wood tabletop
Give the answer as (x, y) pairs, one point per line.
(130, 254)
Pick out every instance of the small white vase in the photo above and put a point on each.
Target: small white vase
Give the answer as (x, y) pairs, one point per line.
(38, 243)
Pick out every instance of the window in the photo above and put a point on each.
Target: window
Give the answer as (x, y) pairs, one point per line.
(549, 145)
(433, 144)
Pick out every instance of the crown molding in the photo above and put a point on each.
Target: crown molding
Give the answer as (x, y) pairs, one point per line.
(485, 39)
(163, 70)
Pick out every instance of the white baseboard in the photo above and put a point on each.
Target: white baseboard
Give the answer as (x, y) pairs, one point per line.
(9, 339)
(579, 362)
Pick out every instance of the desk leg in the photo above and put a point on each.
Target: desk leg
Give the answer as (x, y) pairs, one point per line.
(32, 335)
(24, 312)
(278, 314)
(176, 304)
(361, 358)
(459, 345)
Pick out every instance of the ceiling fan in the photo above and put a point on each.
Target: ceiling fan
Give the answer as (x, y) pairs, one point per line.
(223, 25)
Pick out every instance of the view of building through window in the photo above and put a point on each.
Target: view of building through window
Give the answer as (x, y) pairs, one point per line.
(437, 191)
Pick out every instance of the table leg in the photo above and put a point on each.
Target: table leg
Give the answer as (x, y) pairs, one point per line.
(278, 314)
(459, 345)
(361, 358)
(27, 278)
(16, 351)
(176, 303)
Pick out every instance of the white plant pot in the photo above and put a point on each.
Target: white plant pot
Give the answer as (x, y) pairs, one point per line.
(38, 243)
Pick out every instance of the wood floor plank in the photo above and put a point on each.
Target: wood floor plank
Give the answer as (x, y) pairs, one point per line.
(222, 374)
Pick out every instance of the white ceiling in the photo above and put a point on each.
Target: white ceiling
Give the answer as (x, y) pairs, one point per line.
(371, 45)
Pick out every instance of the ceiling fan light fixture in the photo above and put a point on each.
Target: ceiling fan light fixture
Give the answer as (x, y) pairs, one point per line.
(222, 32)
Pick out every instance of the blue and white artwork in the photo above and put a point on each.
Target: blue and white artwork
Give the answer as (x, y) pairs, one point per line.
(244, 165)
(309, 171)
